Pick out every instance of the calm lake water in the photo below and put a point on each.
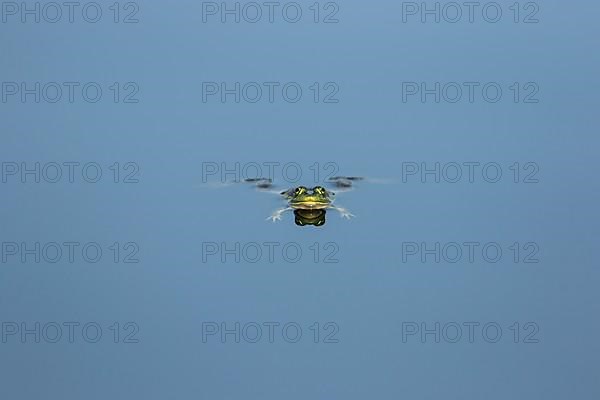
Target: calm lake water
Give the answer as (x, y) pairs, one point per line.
(468, 270)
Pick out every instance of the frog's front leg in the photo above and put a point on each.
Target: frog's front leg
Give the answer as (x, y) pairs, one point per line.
(276, 216)
(344, 213)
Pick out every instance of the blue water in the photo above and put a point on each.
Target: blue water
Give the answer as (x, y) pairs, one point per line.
(359, 283)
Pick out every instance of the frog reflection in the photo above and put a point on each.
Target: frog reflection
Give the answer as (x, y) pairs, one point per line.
(309, 217)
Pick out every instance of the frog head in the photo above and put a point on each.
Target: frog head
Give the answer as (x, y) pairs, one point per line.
(303, 198)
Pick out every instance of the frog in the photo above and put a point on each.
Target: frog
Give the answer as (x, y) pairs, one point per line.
(309, 205)
(306, 201)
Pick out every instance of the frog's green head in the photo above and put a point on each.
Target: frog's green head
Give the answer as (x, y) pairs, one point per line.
(302, 198)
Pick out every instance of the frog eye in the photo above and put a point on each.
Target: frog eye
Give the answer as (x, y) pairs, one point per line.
(321, 190)
(300, 190)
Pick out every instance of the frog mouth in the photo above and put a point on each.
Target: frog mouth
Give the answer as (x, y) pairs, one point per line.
(310, 205)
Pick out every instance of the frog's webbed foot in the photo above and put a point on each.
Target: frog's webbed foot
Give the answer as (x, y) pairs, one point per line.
(344, 213)
(344, 182)
(270, 191)
(276, 216)
(342, 189)
(260, 183)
